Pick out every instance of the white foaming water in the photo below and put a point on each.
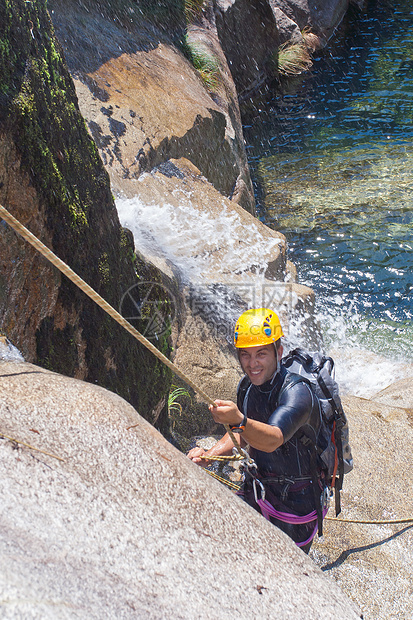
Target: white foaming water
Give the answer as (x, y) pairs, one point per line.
(360, 371)
(363, 373)
(192, 239)
(205, 249)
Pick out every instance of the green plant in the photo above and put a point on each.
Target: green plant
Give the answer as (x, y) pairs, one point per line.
(175, 407)
(293, 59)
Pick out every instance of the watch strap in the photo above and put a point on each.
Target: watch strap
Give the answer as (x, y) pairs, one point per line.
(240, 428)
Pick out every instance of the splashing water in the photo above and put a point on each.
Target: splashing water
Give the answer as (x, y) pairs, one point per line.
(221, 262)
(192, 239)
(171, 233)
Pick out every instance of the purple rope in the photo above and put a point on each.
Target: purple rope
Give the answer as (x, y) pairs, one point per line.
(269, 511)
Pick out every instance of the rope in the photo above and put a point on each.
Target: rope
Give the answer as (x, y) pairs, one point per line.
(362, 521)
(230, 484)
(367, 522)
(90, 292)
(234, 457)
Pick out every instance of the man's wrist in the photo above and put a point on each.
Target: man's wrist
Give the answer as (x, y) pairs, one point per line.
(239, 428)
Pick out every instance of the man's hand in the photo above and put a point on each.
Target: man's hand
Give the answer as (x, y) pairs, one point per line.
(226, 412)
(223, 447)
(195, 456)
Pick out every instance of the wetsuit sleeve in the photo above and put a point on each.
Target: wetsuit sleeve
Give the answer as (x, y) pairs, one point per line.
(293, 410)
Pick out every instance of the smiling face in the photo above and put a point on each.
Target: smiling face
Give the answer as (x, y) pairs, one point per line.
(259, 363)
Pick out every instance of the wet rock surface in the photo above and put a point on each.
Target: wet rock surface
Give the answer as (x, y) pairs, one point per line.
(147, 109)
(320, 17)
(225, 260)
(144, 102)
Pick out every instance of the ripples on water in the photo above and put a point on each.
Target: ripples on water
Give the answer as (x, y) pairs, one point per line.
(333, 163)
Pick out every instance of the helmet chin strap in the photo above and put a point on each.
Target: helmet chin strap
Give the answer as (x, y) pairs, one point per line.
(277, 370)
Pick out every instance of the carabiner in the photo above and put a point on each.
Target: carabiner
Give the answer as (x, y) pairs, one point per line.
(262, 490)
(325, 498)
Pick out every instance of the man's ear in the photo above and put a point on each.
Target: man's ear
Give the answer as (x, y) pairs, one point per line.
(280, 352)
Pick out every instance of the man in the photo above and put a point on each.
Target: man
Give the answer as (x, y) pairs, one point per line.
(275, 413)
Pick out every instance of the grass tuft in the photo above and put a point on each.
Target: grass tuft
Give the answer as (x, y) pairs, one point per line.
(193, 9)
(293, 59)
(203, 61)
(175, 407)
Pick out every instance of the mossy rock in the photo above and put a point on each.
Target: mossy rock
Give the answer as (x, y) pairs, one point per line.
(39, 110)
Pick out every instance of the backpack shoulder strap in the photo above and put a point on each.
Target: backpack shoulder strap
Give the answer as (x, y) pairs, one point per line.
(290, 380)
(243, 387)
(300, 355)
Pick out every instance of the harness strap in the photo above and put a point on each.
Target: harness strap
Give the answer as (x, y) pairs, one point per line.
(269, 511)
(310, 443)
(284, 479)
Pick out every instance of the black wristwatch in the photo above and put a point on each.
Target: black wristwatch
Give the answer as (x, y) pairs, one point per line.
(240, 428)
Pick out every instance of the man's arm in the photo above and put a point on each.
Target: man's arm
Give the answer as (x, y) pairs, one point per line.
(259, 435)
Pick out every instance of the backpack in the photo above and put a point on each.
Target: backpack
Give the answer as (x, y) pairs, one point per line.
(332, 447)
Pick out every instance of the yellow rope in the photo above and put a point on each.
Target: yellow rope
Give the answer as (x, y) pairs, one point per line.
(366, 522)
(234, 457)
(88, 290)
(29, 446)
(230, 484)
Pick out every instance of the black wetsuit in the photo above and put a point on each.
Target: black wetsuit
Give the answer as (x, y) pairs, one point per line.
(287, 472)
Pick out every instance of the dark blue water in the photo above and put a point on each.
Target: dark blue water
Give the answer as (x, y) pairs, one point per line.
(331, 155)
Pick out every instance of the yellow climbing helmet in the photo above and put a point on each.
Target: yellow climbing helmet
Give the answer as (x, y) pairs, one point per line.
(257, 327)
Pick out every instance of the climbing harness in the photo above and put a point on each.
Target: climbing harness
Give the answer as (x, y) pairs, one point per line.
(237, 487)
(268, 511)
(264, 505)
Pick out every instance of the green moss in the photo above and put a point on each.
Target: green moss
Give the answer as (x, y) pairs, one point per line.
(104, 269)
(41, 110)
